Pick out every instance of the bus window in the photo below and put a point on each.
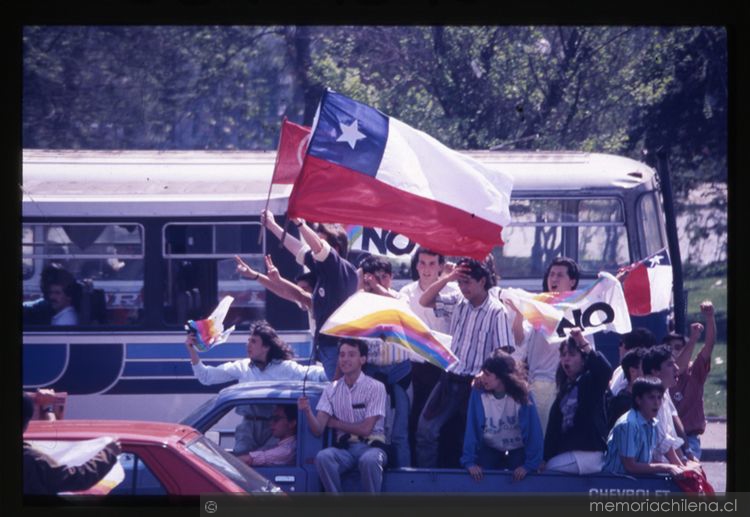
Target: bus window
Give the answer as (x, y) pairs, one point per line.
(602, 237)
(106, 260)
(590, 231)
(199, 270)
(649, 226)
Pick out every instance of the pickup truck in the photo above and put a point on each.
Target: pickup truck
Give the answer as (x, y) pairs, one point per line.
(217, 418)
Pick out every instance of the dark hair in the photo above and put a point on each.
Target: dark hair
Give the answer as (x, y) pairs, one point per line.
(308, 277)
(415, 260)
(55, 274)
(638, 338)
(374, 263)
(631, 360)
(654, 358)
(479, 270)
(290, 411)
(504, 367)
(277, 348)
(644, 385)
(573, 271)
(673, 336)
(360, 344)
(28, 409)
(561, 378)
(335, 235)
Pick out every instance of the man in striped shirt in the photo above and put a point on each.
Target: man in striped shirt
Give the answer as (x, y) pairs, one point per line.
(354, 406)
(480, 324)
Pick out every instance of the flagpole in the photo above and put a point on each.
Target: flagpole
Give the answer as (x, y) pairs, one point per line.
(262, 234)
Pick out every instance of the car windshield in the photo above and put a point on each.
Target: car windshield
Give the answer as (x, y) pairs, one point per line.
(230, 466)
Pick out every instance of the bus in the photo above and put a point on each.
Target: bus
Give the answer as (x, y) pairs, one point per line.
(151, 237)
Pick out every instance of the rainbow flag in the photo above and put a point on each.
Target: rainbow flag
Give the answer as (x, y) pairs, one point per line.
(601, 306)
(210, 332)
(367, 315)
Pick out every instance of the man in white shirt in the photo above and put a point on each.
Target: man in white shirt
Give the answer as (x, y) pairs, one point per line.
(354, 406)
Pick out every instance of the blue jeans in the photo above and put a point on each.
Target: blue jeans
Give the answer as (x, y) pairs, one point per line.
(490, 458)
(332, 462)
(694, 441)
(400, 424)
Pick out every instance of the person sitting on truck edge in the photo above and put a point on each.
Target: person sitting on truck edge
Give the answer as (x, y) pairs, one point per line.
(354, 406)
(324, 253)
(576, 435)
(502, 425)
(623, 401)
(631, 443)
(670, 443)
(269, 359)
(426, 267)
(687, 394)
(389, 363)
(284, 429)
(637, 338)
(542, 357)
(480, 324)
(42, 475)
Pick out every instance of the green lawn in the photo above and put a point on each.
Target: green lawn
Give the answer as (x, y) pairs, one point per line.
(714, 289)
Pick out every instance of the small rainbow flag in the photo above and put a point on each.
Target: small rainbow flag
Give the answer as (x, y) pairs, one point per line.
(367, 315)
(210, 332)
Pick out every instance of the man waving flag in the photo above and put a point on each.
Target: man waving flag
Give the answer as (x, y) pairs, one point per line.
(363, 167)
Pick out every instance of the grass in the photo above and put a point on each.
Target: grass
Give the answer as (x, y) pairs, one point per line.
(712, 288)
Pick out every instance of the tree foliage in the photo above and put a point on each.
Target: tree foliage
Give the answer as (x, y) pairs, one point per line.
(602, 89)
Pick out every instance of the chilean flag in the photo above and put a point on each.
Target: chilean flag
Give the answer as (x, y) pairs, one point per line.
(648, 284)
(363, 167)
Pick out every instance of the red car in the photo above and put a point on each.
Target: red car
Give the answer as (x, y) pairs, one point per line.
(158, 458)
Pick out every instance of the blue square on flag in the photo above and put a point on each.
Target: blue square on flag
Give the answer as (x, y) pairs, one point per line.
(660, 258)
(349, 134)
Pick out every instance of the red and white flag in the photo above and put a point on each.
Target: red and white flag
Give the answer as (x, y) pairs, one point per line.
(648, 284)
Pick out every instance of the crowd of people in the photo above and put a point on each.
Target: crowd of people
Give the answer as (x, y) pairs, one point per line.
(523, 403)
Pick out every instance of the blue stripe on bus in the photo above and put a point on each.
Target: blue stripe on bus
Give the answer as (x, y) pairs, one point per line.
(177, 351)
(91, 369)
(160, 386)
(161, 368)
(42, 363)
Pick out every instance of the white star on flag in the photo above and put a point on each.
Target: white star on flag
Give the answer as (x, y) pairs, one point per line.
(655, 260)
(350, 134)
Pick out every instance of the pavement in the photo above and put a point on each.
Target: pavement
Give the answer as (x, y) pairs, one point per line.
(714, 454)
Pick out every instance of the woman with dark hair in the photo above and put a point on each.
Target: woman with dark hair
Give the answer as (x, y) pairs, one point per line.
(269, 358)
(502, 425)
(576, 435)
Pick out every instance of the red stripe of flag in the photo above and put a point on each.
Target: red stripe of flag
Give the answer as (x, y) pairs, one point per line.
(326, 192)
(292, 147)
(637, 289)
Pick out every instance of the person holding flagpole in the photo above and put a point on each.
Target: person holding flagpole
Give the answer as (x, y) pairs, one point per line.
(324, 253)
